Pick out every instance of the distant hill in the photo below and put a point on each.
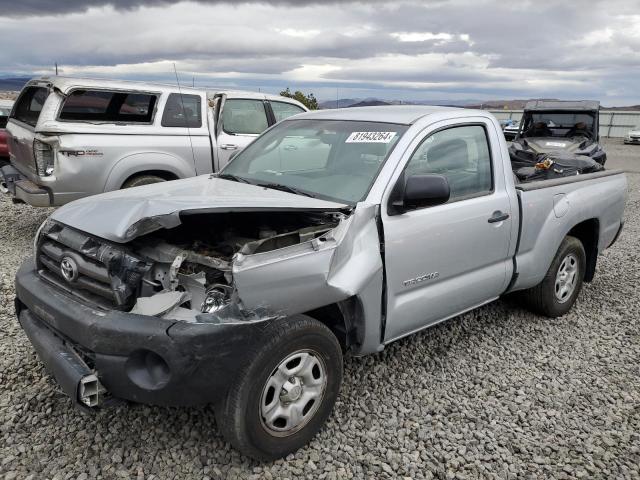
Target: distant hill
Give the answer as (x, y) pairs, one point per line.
(13, 84)
(341, 103)
(623, 109)
(370, 103)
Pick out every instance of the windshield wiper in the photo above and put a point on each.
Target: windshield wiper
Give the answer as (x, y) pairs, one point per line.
(285, 188)
(233, 178)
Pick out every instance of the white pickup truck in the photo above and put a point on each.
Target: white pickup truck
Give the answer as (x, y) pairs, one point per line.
(335, 231)
(74, 137)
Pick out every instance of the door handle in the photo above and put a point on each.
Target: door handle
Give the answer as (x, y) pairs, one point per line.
(229, 146)
(290, 147)
(498, 216)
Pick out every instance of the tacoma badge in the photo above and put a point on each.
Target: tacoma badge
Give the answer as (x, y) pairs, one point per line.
(420, 279)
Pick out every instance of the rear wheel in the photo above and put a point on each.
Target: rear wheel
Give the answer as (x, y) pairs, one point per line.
(287, 392)
(142, 180)
(557, 292)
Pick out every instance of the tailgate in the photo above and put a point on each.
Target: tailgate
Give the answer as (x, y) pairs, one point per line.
(22, 127)
(20, 143)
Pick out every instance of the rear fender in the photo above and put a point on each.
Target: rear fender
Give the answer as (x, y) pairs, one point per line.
(143, 162)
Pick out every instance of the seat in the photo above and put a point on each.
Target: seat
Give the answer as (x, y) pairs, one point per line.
(451, 159)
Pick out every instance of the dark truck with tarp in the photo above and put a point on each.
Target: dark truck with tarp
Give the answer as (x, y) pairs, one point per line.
(557, 139)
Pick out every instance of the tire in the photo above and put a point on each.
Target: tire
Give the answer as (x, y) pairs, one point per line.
(549, 297)
(240, 416)
(142, 180)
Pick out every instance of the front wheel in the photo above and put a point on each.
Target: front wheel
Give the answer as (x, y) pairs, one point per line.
(287, 392)
(557, 292)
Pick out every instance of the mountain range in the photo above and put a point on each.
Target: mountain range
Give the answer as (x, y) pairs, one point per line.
(15, 84)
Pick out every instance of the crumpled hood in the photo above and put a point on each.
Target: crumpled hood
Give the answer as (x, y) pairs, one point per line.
(123, 215)
(550, 144)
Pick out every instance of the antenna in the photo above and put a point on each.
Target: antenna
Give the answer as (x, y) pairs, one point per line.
(184, 113)
(56, 68)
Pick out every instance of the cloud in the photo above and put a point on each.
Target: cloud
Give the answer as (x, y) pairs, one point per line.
(455, 47)
(47, 7)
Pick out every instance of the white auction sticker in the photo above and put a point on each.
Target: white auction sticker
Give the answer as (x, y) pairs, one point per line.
(556, 144)
(370, 137)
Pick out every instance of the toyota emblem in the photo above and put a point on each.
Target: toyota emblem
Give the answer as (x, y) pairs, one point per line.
(69, 269)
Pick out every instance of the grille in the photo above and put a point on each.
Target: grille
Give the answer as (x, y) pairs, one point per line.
(89, 269)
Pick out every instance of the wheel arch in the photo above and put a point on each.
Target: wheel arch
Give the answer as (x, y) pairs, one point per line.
(148, 163)
(345, 319)
(164, 174)
(588, 232)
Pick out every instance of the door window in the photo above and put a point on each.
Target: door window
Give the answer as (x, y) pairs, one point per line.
(182, 111)
(282, 110)
(459, 153)
(244, 117)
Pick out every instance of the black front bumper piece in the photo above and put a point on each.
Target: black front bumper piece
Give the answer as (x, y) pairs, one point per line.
(135, 357)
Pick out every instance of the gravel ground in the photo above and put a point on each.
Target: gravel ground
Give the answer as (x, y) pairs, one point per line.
(496, 393)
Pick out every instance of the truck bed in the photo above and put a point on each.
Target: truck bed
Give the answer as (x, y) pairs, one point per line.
(550, 209)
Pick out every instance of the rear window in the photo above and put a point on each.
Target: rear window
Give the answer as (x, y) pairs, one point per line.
(29, 105)
(108, 106)
(182, 111)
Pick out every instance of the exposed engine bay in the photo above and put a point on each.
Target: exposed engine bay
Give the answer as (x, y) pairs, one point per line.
(191, 271)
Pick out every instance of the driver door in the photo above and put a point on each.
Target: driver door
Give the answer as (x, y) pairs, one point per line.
(446, 259)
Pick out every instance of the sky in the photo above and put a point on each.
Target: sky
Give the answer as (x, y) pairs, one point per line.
(396, 50)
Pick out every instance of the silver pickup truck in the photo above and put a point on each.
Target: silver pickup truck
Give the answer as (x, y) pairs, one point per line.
(335, 231)
(74, 137)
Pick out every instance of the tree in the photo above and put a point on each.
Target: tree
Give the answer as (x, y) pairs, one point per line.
(308, 101)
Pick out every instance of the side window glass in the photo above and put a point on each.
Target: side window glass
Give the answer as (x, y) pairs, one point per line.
(244, 117)
(459, 153)
(182, 111)
(108, 106)
(282, 110)
(29, 105)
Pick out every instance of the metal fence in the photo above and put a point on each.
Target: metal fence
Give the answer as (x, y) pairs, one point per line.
(613, 123)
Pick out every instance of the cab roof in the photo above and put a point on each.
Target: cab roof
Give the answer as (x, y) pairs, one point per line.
(402, 114)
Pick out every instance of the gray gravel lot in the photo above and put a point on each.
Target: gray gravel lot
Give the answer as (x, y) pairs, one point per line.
(496, 393)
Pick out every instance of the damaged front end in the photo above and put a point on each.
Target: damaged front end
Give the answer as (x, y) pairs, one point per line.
(223, 267)
(192, 277)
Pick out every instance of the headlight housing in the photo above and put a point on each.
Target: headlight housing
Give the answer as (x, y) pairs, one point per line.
(43, 155)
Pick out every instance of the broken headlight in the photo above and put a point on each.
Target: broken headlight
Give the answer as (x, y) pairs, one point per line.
(216, 297)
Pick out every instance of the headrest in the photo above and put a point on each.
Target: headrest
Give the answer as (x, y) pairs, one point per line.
(449, 155)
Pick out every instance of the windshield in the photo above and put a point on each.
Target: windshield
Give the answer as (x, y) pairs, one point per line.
(330, 159)
(559, 124)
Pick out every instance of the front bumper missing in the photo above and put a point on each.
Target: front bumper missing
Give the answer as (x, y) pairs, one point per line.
(132, 357)
(70, 371)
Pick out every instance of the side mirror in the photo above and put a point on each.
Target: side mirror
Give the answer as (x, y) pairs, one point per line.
(421, 191)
